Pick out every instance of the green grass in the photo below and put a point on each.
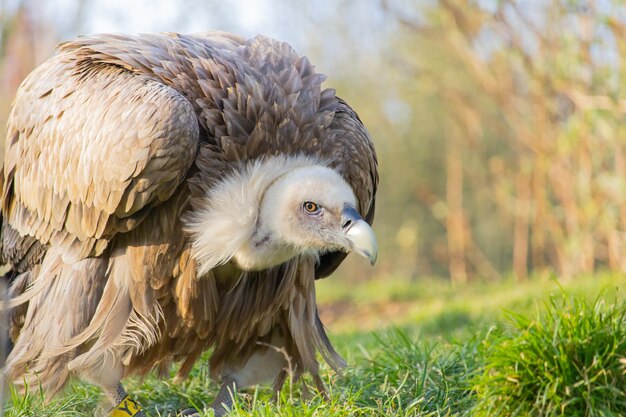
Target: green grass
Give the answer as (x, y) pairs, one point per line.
(539, 348)
(568, 361)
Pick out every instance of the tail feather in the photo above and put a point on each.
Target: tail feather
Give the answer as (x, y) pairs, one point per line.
(125, 322)
(53, 317)
(49, 270)
(109, 330)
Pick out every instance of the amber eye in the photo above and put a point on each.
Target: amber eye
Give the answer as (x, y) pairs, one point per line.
(311, 208)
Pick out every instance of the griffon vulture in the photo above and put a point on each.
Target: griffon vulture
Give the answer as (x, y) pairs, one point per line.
(165, 194)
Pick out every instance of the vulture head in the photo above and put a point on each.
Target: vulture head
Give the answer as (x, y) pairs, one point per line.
(286, 207)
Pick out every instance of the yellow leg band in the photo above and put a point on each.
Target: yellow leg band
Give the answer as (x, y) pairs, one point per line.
(126, 408)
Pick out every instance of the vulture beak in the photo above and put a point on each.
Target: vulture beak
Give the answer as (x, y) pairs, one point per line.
(359, 233)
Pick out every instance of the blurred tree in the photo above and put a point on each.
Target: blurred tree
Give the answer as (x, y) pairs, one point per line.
(532, 112)
(28, 35)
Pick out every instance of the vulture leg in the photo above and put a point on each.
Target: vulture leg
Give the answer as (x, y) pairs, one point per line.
(319, 384)
(222, 403)
(224, 399)
(123, 405)
(107, 376)
(279, 382)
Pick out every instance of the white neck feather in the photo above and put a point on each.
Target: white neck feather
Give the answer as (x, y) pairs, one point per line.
(229, 220)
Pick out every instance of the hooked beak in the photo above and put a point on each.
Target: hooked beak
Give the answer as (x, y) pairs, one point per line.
(360, 234)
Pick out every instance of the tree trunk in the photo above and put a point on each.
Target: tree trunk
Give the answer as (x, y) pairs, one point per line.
(454, 220)
(520, 239)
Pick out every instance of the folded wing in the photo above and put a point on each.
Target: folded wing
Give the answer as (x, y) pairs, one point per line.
(91, 147)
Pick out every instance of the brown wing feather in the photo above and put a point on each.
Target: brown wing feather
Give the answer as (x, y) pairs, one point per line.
(354, 157)
(89, 147)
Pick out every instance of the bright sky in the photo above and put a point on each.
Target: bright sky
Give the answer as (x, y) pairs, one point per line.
(161, 15)
(357, 28)
(245, 17)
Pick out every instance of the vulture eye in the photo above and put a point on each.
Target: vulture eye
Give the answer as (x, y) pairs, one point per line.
(311, 208)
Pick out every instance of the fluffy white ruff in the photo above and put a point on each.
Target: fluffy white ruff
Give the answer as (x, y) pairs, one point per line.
(228, 221)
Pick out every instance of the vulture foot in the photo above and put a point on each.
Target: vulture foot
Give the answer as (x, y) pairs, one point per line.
(224, 400)
(221, 405)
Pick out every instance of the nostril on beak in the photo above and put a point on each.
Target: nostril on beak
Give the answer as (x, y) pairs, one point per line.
(350, 217)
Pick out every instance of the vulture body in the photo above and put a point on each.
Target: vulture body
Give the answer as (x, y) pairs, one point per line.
(165, 194)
